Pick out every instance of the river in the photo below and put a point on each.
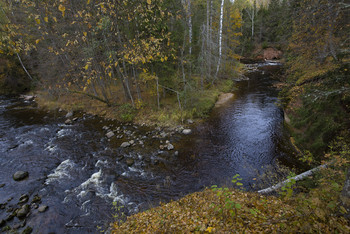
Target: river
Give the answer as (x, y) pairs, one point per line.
(78, 172)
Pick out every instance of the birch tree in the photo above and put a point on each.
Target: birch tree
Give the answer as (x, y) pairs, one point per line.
(220, 37)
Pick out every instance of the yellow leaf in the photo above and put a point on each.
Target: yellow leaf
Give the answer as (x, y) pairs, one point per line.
(46, 19)
(61, 8)
(37, 41)
(110, 74)
(116, 64)
(209, 229)
(149, 2)
(85, 33)
(86, 67)
(88, 1)
(37, 21)
(55, 19)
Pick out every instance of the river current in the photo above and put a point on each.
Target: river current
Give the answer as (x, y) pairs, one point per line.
(79, 172)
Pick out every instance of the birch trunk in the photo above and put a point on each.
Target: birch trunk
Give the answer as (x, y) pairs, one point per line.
(220, 37)
(295, 178)
(189, 15)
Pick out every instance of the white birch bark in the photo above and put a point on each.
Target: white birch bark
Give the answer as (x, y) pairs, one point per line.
(220, 36)
(189, 26)
(295, 178)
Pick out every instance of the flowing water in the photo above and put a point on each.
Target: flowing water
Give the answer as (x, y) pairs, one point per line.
(79, 172)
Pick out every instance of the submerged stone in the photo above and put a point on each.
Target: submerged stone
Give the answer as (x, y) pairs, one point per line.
(20, 175)
(42, 208)
(21, 213)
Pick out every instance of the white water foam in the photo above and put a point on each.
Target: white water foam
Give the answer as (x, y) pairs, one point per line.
(26, 144)
(44, 130)
(64, 132)
(51, 148)
(62, 171)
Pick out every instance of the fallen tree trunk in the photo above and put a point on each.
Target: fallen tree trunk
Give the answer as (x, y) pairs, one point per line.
(295, 178)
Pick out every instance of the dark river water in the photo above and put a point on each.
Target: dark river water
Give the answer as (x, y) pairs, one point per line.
(79, 173)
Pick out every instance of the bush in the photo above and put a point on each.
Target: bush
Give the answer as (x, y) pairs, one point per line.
(127, 112)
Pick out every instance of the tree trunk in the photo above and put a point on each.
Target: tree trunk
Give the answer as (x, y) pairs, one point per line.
(220, 37)
(345, 195)
(295, 178)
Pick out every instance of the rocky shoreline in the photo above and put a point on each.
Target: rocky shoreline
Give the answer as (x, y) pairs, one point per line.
(20, 211)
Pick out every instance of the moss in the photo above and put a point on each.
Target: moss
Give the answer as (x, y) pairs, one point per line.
(324, 111)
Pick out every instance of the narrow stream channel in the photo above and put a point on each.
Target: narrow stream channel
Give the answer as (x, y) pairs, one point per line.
(78, 172)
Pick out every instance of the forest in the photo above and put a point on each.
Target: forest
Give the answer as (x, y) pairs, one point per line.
(162, 62)
(156, 53)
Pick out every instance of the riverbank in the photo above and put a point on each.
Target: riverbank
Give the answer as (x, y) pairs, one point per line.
(223, 210)
(317, 204)
(170, 114)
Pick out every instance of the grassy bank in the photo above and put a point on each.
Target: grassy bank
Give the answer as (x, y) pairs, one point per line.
(195, 106)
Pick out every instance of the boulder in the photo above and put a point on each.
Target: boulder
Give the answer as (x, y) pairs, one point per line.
(125, 144)
(20, 175)
(69, 114)
(109, 134)
(36, 199)
(68, 121)
(42, 208)
(23, 199)
(21, 213)
(186, 131)
(130, 162)
(170, 146)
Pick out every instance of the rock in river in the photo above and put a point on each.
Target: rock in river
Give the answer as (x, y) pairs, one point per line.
(125, 144)
(170, 147)
(42, 208)
(187, 131)
(130, 162)
(110, 134)
(20, 175)
(21, 213)
(23, 199)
